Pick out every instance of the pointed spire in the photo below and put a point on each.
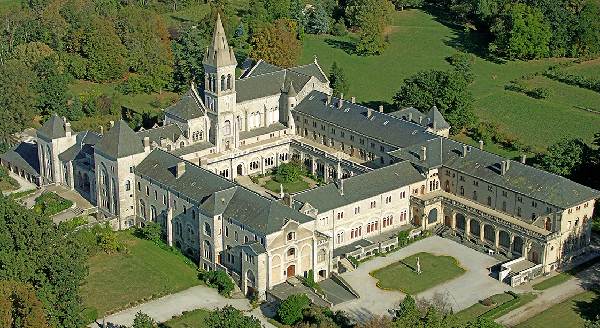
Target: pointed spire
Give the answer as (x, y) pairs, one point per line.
(291, 92)
(219, 53)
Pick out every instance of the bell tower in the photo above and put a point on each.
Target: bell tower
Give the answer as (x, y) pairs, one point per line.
(219, 91)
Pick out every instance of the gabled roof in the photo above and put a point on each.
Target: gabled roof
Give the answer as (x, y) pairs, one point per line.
(171, 132)
(120, 141)
(83, 144)
(521, 178)
(24, 156)
(359, 187)
(262, 67)
(53, 128)
(188, 107)
(379, 126)
(312, 69)
(433, 118)
(437, 119)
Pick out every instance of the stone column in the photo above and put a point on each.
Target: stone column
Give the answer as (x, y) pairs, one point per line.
(467, 226)
(339, 170)
(453, 218)
(313, 164)
(510, 246)
(497, 238)
(325, 172)
(170, 226)
(262, 165)
(482, 231)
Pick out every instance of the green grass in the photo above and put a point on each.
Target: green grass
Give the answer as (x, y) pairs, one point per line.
(192, 319)
(564, 276)
(477, 309)
(116, 281)
(49, 203)
(402, 275)
(505, 308)
(21, 194)
(570, 313)
(590, 68)
(419, 42)
(289, 187)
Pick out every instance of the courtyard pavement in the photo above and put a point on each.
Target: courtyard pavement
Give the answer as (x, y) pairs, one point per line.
(165, 308)
(475, 284)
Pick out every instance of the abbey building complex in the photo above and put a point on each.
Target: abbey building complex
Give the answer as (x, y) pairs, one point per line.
(382, 172)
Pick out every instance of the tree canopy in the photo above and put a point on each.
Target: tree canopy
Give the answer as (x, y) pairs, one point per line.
(277, 43)
(371, 18)
(337, 80)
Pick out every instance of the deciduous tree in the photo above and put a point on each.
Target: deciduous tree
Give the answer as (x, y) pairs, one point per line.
(277, 43)
(337, 80)
(20, 307)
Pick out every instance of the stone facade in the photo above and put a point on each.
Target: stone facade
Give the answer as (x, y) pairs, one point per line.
(383, 173)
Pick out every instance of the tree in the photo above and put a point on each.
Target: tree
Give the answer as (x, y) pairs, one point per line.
(377, 322)
(317, 21)
(447, 90)
(20, 307)
(53, 87)
(564, 157)
(408, 3)
(277, 43)
(521, 33)
(587, 33)
(218, 279)
(151, 231)
(370, 17)
(230, 317)
(188, 52)
(17, 98)
(35, 251)
(289, 172)
(142, 320)
(337, 80)
(407, 314)
(290, 310)
(105, 54)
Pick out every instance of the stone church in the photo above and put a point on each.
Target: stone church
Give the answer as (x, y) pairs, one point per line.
(383, 172)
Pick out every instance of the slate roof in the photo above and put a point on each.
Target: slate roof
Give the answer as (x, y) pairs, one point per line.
(311, 69)
(171, 132)
(217, 195)
(379, 126)
(84, 142)
(277, 126)
(520, 178)
(24, 156)
(188, 107)
(360, 187)
(53, 128)
(431, 118)
(262, 67)
(202, 145)
(120, 141)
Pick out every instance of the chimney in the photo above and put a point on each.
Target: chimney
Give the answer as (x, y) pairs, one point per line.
(341, 101)
(523, 159)
(101, 129)
(423, 153)
(146, 143)
(180, 169)
(507, 165)
(112, 123)
(328, 101)
(369, 112)
(288, 200)
(481, 144)
(464, 152)
(353, 100)
(381, 108)
(341, 187)
(410, 117)
(420, 119)
(503, 167)
(68, 130)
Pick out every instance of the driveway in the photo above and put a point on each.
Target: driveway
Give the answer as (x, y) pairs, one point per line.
(475, 284)
(164, 308)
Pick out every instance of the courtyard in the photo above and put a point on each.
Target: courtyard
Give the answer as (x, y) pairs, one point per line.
(462, 290)
(405, 277)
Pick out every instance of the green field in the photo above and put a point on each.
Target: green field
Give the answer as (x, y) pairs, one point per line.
(419, 41)
(477, 309)
(116, 281)
(590, 68)
(570, 313)
(290, 187)
(192, 319)
(402, 275)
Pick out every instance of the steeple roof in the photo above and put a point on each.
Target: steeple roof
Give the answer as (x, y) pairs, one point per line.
(219, 53)
(291, 92)
(437, 119)
(120, 141)
(53, 128)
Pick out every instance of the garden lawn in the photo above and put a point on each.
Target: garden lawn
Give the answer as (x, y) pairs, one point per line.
(289, 187)
(477, 309)
(419, 41)
(49, 203)
(192, 319)
(570, 313)
(402, 275)
(116, 281)
(590, 68)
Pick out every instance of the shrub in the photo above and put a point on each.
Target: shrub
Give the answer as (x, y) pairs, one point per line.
(150, 231)
(50, 203)
(403, 238)
(89, 315)
(354, 261)
(539, 93)
(289, 172)
(339, 28)
(142, 320)
(487, 302)
(217, 279)
(290, 310)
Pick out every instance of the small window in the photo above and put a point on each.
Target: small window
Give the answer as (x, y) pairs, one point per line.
(291, 236)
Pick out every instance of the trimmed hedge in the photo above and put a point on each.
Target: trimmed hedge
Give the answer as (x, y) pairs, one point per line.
(556, 74)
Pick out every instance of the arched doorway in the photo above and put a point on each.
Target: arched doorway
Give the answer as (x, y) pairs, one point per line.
(504, 239)
(432, 217)
(250, 283)
(489, 234)
(475, 228)
(291, 271)
(518, 245)
(461, 222)
(448, 221)
(240, 169)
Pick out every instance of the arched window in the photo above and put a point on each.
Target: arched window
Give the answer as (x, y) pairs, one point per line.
(142, 209)
(153, 213)
(291, 252)
(222, 82)
(127, 185)
(181, 144)
(229, 82)
(291, 236)
(227, 128)
(207, 229)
